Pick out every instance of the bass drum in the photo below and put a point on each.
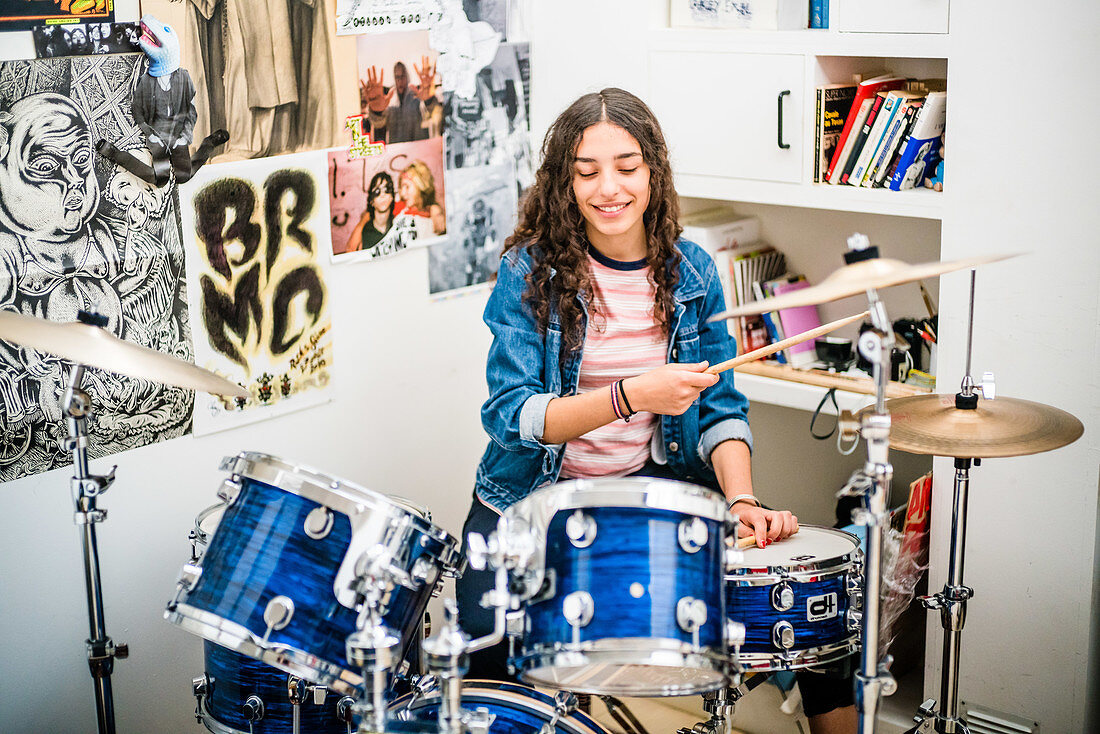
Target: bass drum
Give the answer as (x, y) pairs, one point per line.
(515, 709)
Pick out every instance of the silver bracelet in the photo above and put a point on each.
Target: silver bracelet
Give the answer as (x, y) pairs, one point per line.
(744, 498)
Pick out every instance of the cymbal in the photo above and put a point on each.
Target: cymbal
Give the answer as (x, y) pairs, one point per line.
(856, 278)
(96, 347)
(932, 425)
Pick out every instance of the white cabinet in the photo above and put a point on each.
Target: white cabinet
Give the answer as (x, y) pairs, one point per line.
(890, 16)
(734, 115)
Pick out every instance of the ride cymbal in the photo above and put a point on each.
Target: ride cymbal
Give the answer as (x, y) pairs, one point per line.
(96, 347)
(932, 425)
(857, 278)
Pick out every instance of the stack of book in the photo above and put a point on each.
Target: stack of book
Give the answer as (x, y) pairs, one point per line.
(883, 132)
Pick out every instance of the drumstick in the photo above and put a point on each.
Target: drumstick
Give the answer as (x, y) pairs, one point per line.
(750, 540)
(789, 342)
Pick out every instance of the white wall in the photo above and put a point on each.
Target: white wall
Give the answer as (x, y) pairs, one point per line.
(1021, 178)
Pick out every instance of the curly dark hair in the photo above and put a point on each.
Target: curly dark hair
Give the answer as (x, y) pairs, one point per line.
(552, 225)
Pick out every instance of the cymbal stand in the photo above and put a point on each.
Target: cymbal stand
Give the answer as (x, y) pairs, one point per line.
(872, 485)
(86, 488)
(952, 600)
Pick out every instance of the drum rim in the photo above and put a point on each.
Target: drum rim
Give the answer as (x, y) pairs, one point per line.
(212, 723)
(628, 651)
(763, 575)
(809, 657)
(239, 639)
(201, 536)
(497, 691)
(351, 498)
(642, 492)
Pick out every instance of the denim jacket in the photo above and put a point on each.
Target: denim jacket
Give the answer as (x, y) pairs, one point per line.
(525, 372)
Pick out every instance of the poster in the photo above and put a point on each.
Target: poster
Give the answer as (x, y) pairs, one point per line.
(492, 127)
(381, 205)
(399, 87)
(260, 313)
(385, 16)
(274, 75)
(53, 41)
(481, 202)
(77, 232)
(22, 15)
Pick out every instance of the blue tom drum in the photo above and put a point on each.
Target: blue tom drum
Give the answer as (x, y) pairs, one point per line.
(797, 599)
(624, 592)
(277, 581)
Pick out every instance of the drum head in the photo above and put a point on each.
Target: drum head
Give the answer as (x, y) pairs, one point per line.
(811, 547)
(669, 674)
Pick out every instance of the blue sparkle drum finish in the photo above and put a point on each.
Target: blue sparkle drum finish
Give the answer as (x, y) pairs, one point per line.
(289, 546)
(234, 681)
(515, 709)
(795, 597)
(626, 595)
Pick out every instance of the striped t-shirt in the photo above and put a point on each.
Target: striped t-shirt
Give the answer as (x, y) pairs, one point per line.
(623, 339)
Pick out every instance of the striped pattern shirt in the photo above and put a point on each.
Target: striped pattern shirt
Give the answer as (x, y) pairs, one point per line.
(623, 339)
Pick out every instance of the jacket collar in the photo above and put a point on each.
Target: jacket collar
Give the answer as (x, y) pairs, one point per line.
(691, 284)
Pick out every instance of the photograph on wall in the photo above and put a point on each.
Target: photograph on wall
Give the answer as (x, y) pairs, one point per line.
(493, 12)
(23, 15)
(55, 41)
(399, 87)
(260, 311)
(265, 72)
(79, 233)
(492, 127)
(386, 16)
(383, 204)
(481, 204)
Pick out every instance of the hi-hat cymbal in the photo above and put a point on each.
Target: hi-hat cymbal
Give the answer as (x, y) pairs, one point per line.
(96, 347)
(857, 278)
(932, 425)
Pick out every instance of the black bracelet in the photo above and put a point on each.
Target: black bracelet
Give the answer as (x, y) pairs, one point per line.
(626, 403)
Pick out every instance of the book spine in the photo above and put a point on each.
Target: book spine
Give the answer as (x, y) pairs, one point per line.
(874, 140)
(819, 13)
(886, 148)
(846, 133)
(819, 131)
(886, 173)
(861, 140)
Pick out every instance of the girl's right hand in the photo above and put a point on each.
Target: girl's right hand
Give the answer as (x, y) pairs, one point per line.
(668, 390)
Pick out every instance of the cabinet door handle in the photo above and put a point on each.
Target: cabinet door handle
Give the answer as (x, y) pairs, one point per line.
(782, 94)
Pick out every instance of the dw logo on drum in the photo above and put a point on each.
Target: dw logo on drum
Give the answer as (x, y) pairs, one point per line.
(821, 607)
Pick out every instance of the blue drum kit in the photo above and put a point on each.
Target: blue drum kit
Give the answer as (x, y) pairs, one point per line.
(310, 592)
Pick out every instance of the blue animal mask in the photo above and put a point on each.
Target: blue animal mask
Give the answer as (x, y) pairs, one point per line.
(161, 44)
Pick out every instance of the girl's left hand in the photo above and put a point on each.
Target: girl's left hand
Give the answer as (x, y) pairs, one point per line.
(766, 525)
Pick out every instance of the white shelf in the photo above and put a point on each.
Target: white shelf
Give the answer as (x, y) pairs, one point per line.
(918, 203)
(813, 42)
(796, 395)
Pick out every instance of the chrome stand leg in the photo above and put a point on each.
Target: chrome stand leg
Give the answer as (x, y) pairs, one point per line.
(86, 488)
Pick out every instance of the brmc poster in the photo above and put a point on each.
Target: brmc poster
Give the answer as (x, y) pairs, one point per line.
(258, 232)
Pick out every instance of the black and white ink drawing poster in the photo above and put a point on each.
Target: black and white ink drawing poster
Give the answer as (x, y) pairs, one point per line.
(481, 205)
(78, 233)
(258, 232)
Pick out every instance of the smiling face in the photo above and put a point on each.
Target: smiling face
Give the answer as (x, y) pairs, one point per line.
(611, 185)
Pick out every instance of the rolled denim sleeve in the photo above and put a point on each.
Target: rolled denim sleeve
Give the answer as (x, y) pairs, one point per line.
(723, 410)
(514, 416)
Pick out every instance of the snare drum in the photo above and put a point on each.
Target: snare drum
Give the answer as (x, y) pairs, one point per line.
(516, 710)
(277, 579)
(797, 599)
(625, 590)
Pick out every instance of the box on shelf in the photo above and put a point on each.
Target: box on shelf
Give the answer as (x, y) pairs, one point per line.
(763, 15)
(719, 227)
